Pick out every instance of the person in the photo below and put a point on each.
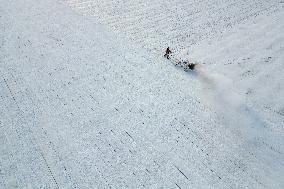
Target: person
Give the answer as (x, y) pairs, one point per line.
(168, 52)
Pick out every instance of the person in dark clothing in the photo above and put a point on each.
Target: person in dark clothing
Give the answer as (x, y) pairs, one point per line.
(168, 52)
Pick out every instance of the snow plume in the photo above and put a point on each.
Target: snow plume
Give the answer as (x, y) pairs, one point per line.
(219, 90)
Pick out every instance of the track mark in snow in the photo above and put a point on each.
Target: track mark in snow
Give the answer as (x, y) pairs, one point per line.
(32, 140)
(181, 172)
(49, 170)
(12, 95)
(177, 185)
(129, 135)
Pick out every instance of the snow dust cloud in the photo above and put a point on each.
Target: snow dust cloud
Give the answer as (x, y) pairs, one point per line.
(220, 93)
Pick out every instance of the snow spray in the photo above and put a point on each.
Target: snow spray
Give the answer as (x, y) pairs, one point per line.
(219, 92)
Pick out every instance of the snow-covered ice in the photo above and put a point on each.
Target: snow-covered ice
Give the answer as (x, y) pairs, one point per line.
(88, 101)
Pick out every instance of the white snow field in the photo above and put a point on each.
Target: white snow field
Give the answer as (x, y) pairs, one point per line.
(88, 101)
